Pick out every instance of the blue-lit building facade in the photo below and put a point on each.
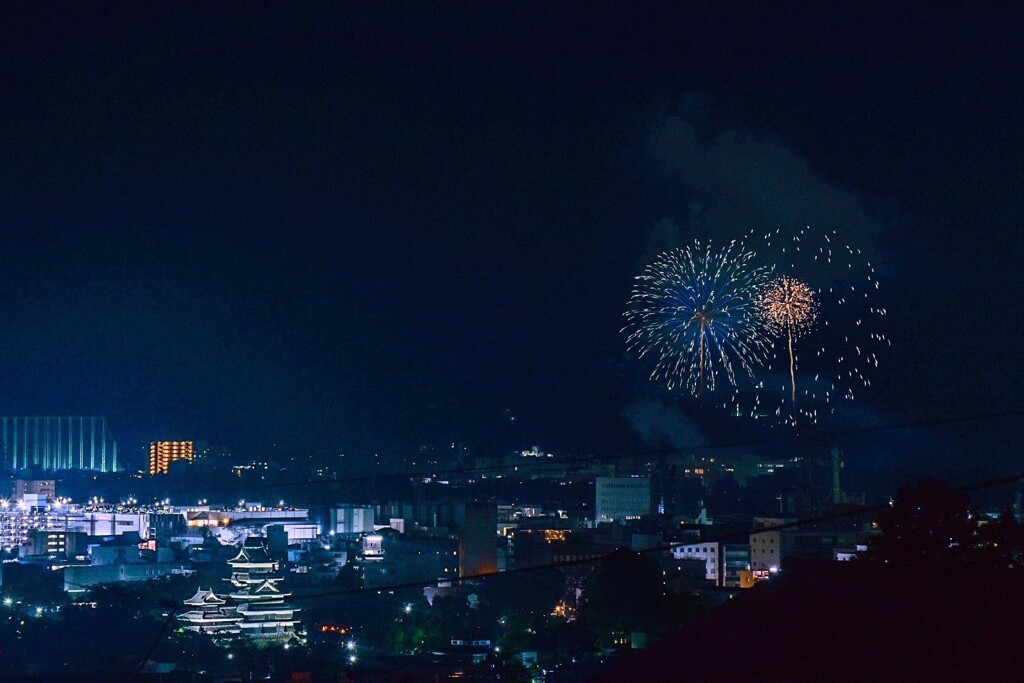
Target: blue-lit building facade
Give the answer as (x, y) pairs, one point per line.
(57, 443)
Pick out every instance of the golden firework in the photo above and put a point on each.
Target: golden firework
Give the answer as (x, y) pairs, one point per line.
(787, 305)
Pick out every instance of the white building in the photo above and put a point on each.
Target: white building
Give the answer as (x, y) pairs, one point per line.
(206, 516)
(709, 552)
(352, 519)
(97, 523)
(620, 498)
(373, 547)
(851, 553)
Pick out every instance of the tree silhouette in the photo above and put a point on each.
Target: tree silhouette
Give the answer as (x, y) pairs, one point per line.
(926, 524)
(626, 594)
(933, 525)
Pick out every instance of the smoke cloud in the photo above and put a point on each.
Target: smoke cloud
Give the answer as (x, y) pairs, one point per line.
(662, 426)
(735, 181)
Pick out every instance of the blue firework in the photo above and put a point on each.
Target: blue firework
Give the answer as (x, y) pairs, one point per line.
(692, 310)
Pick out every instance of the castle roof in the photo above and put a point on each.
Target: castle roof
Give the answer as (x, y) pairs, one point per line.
(268, 586)
(248, 554)
(205, 597)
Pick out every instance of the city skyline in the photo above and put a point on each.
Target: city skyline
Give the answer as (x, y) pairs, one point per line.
(370, 285)
(510, 342)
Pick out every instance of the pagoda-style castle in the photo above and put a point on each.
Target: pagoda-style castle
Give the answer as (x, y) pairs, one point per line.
(255, 607)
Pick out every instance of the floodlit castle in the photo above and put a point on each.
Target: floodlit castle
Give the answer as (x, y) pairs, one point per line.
(208, 613)
(255, 607)
(259, 602)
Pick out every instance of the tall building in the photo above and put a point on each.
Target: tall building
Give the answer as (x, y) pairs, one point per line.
(163, 453)
(57, 443)
(767, 543)
(619, 498)
(478, 542)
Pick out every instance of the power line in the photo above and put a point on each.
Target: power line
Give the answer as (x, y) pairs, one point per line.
(740, 443)
(806, 521)
(159, 636)
(858, 511)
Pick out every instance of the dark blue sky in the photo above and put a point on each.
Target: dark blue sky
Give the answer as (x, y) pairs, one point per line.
(352, 231)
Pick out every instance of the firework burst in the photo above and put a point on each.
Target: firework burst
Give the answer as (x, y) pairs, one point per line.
(692, 310)
(840, 324)
(787, 306)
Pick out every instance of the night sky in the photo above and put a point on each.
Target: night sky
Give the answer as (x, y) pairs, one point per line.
(359, 231)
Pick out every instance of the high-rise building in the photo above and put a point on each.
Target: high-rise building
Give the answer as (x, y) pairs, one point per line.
(57, 443)
(478, 543)
(619, 498)
(163, 453)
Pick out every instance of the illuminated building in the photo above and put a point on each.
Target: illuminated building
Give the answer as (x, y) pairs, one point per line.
(259, 602)
(254, 608)
(726, 564)
(57, 443)
(107, 523)
(41, 487)
(163, 453)
(207, 614)
(351, 519)
(708, 552)
(372, 546)
(766, 544)
(621, 498)
(54, 544)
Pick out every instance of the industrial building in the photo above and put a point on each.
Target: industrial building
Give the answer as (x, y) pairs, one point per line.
(57, 443)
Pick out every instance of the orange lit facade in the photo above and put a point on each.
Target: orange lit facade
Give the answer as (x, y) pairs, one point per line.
(163, 453)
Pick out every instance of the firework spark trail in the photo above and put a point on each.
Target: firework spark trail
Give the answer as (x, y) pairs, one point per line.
(848, 339)
(787, 305)
(693, 310)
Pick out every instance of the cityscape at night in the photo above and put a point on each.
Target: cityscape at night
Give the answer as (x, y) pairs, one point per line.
(525, 342)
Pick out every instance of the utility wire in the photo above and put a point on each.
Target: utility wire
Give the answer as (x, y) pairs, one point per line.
(557, 462)
(806, 521)
(860, 510)
(719, 538)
